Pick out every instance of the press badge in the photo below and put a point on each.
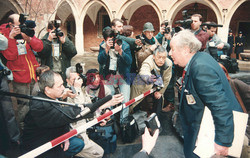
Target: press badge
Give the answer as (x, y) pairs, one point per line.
(55, 50)
(21, 48)
(190, 99)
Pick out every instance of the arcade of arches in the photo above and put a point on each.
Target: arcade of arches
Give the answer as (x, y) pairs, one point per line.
(84, 20)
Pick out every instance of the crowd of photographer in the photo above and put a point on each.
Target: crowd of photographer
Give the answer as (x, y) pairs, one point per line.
(128, 67)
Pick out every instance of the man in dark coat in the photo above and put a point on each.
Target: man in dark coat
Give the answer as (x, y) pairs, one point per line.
(204, 84)
(116, 63)
(57, 51)
(230, 41)
(240, 42)
(46, 121)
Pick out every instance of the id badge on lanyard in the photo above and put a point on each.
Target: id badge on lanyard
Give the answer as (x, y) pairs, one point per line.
(55, 49)
(21, 47)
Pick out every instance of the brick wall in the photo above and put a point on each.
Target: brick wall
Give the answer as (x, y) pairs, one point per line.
(141, 16)
(240, 15)
(91, 38)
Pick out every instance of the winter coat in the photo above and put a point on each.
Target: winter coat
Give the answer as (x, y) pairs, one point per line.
(23, 66)
(46, 121)
(67, 52)
(141, 85)
(205, 84)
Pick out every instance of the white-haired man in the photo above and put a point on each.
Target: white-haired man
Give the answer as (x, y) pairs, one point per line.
(204, 84)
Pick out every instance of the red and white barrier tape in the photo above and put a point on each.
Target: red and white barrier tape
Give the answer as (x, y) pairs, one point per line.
(47, 146)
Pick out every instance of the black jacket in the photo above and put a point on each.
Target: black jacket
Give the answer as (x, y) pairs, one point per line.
(44, 122)
(67, 50)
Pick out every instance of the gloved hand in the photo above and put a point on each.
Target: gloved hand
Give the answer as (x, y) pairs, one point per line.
(151, 79)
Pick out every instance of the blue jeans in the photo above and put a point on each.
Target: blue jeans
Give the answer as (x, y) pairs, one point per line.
(75, 146)
(124, 87)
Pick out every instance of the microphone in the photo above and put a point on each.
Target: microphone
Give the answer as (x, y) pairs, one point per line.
(94, 106)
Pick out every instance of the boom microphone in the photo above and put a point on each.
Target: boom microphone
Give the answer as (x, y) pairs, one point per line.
(211, 24)
(93, 106)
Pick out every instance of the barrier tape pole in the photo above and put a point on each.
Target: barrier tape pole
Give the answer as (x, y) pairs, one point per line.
(47, 146)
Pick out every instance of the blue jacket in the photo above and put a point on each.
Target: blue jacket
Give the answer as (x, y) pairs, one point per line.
(123, 61)
(207, 83)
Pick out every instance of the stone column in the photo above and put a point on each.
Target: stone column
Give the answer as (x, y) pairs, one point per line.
(223, 32)
(79, 39)
(225, 21)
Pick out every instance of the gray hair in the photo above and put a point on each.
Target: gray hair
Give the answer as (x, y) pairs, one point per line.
(187, 38)
(71, 69)
(159, 49)
(47, 80)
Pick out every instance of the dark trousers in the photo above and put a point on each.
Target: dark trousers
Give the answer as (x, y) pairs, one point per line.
(76, 145)
(8, 120)
(157, 105)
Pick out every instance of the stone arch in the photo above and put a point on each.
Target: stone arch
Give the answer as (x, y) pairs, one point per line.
(64, 9)
(133, 5)
(95, 4)
(10, 5)
(233, 9)
(90, 5)
(181, 4)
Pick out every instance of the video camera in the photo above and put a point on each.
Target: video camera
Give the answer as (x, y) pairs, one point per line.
(79, 70)
(230, 64)
(26, 26)
(57, 31)
(115, 39)
(186, 22)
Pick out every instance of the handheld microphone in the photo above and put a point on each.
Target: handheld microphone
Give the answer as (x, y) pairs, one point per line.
(94, 106)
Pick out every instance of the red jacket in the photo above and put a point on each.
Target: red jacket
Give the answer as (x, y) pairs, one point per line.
(24, 66)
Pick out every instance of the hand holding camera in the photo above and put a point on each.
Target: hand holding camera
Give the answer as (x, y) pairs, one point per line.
(153, 123)
(62, 39)
(25, 37)
(118, 48)
(140, 41)
(51, 35)
(14, 32)
(148, 141)
(109, 44)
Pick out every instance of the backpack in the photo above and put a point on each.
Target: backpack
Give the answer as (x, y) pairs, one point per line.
(129, 129)
(106, 139)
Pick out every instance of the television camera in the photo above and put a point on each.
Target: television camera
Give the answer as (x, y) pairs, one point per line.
(26, 26)
(186, 22)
